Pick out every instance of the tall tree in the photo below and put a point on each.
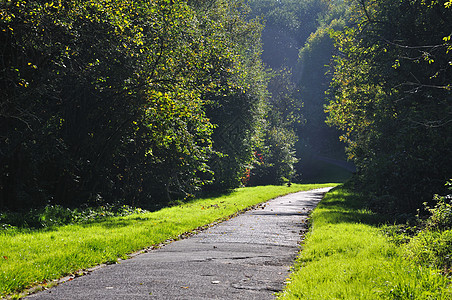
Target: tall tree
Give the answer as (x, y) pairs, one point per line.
(237, 109)
(392, 97)
(319, 142)
(275, 157)
(288, 23)
(105, 100)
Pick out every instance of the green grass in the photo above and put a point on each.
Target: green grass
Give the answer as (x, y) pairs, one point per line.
(29, 258)
(347, 256)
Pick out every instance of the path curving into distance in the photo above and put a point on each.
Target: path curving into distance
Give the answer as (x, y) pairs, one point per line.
(247, 257)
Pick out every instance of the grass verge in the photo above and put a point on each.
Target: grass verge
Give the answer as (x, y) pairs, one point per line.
(347, 256)
(40, 256)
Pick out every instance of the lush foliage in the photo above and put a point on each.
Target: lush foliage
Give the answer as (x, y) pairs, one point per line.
(431, 243)
(275, 156)
(29, 257)
(106, 101)
(346, 256)
(317, 140)
(392, 97)
(288, 24)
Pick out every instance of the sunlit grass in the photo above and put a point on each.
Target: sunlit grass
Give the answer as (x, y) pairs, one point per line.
(346, 256)
(39, 256)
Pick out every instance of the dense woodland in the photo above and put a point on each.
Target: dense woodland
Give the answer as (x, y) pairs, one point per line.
(147, 102)
(392, 96)
(386, 69)
(137, 102)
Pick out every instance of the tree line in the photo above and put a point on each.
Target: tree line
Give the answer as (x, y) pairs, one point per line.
(142, 103)
(385, 67)
(135, 102)
(391, 95)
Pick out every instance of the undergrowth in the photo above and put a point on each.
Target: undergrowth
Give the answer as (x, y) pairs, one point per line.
(429, 241)
(431, 245)
(57, 215)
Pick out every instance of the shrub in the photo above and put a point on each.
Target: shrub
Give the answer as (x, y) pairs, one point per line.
(432, 248)
(57, 215)
(441, 214)
(54, 215)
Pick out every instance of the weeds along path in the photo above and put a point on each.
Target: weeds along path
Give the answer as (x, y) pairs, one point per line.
(247, 257)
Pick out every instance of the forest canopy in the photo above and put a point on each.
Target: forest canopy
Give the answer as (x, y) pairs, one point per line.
(146, 102)
(392, 96)
(386, 68)
(127, 101)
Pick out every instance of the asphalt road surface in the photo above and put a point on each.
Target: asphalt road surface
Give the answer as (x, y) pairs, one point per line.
(247, 257)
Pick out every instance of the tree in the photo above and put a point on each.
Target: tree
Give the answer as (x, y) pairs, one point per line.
(317, 140)
(296, 37)
(288, 23)
(392, 97)
(105, 100)
(275, 158)
(238, 107)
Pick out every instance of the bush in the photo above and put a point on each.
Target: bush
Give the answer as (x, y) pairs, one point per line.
(30, 219)
(56, 215)
(441, 214)
(432, 248)
(429, 243)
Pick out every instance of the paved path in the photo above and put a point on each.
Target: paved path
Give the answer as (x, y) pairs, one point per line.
(247, 257)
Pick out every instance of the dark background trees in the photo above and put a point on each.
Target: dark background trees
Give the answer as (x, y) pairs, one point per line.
(296, 39)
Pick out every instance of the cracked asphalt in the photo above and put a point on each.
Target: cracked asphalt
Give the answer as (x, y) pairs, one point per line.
(247, 257)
